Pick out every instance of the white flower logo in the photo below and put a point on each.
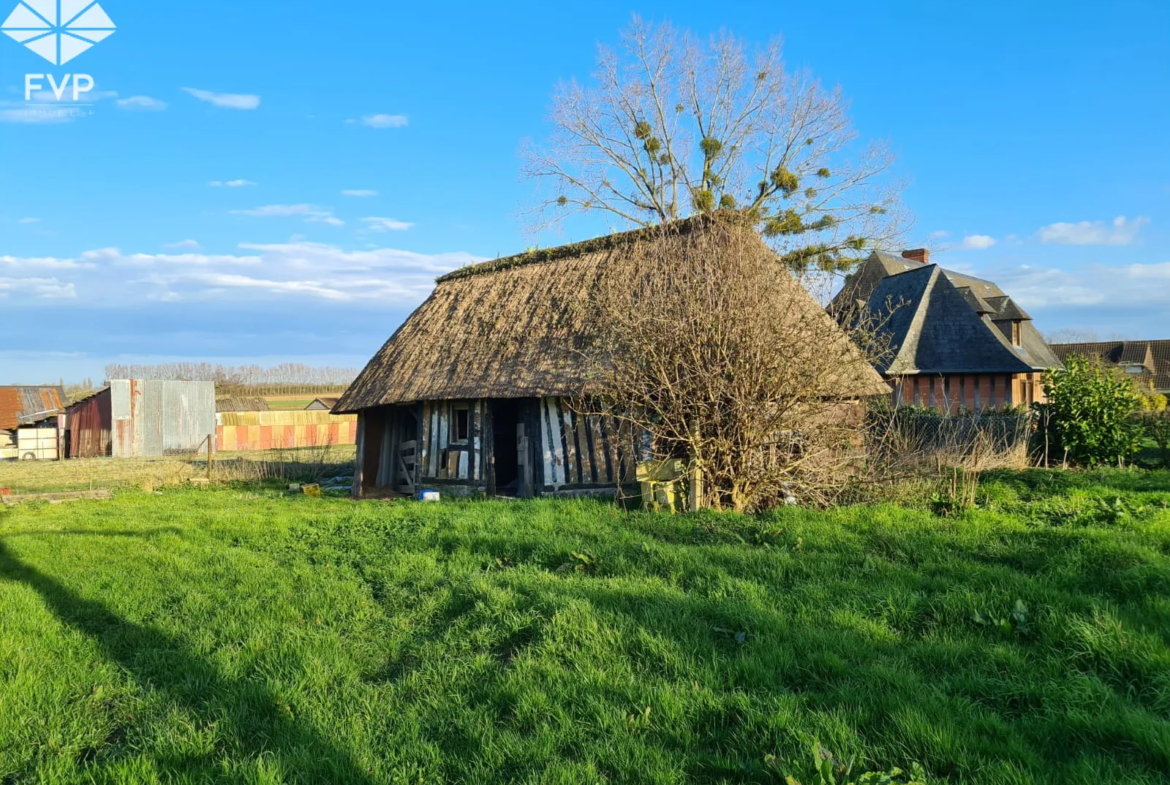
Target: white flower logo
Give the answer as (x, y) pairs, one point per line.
(58, 30)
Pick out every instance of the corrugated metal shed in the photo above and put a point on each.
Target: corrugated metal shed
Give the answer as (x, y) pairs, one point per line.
(88, 425)
(136, 418)
(28, 405)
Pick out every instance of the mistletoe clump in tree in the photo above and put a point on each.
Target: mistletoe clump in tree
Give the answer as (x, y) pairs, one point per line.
(673, 126)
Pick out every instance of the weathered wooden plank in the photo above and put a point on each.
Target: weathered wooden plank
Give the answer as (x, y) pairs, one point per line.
(473, 458)
(464, 465)
(360, 443)
(57, 497)
(557, 475)
(433, 464)
(568, 436)
(425, 442)
(601, 470)
(386, 458)
(546, 441)
(609, 443)
(584, 450)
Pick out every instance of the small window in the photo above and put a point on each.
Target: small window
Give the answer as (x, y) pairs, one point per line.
(1016, 333)
(462, 425)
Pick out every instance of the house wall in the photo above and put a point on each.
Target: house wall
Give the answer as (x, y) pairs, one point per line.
(973, 392)
(568, 453)
(579, 452)
(442, 457)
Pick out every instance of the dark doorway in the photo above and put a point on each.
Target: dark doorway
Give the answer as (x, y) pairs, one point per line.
(505, 418)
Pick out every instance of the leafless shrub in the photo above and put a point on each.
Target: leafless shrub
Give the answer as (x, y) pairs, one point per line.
(701, 340)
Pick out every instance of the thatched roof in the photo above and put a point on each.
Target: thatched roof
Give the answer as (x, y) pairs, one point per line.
(505, 329)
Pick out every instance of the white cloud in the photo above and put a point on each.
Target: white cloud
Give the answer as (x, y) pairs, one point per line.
(142, 103)
(230, 183)
(360, 193)
(377, 278)
(41, 263)
(940, 234)
(184, 245)
(225, 100)
(1120, 232)
(38, 288)
(29, 220)
(311, 213)
(1129, 286)
(977, 242)
(386, 225)
(385, 121)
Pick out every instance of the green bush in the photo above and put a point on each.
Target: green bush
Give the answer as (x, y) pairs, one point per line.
(1091, 412)
(1157, 429)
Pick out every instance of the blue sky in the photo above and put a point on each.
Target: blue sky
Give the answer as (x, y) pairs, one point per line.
(1035, 136)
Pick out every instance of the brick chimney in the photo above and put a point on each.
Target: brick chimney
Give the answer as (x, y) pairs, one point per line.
(920, 255)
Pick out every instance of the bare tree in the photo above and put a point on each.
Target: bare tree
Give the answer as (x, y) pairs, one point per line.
(704, 343)
(672, 126)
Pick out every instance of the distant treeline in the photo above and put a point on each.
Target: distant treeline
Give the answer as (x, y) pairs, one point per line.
(233, 376)
(279, 390)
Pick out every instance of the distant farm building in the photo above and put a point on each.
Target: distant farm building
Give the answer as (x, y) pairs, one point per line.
(29, 423)
(954, 341)
(141, 418)
(1147, 362)
(473, 392)
(322, 405)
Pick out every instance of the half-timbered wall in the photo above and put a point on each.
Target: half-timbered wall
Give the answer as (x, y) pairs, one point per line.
(583, 451)
(403, 448)
(443, 456)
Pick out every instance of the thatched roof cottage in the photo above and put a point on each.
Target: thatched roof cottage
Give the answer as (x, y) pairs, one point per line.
(470, 393)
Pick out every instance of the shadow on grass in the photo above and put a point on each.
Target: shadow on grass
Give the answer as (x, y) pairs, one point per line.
(251, 717)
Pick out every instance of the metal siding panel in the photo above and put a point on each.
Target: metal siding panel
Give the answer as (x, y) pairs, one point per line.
(121, 426)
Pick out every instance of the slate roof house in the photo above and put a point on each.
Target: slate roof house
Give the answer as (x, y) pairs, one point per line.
(1146, 361)
(471, 392)
(954, 341)
(28, 422)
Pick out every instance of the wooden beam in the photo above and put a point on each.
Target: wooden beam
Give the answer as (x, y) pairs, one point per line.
(358, 459)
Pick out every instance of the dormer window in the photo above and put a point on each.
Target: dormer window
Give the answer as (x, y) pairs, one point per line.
(1017, 330)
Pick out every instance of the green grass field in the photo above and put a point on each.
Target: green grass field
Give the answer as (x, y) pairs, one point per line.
(235, 635)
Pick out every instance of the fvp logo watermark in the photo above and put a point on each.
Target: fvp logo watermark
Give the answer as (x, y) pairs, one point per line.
(57, 30)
